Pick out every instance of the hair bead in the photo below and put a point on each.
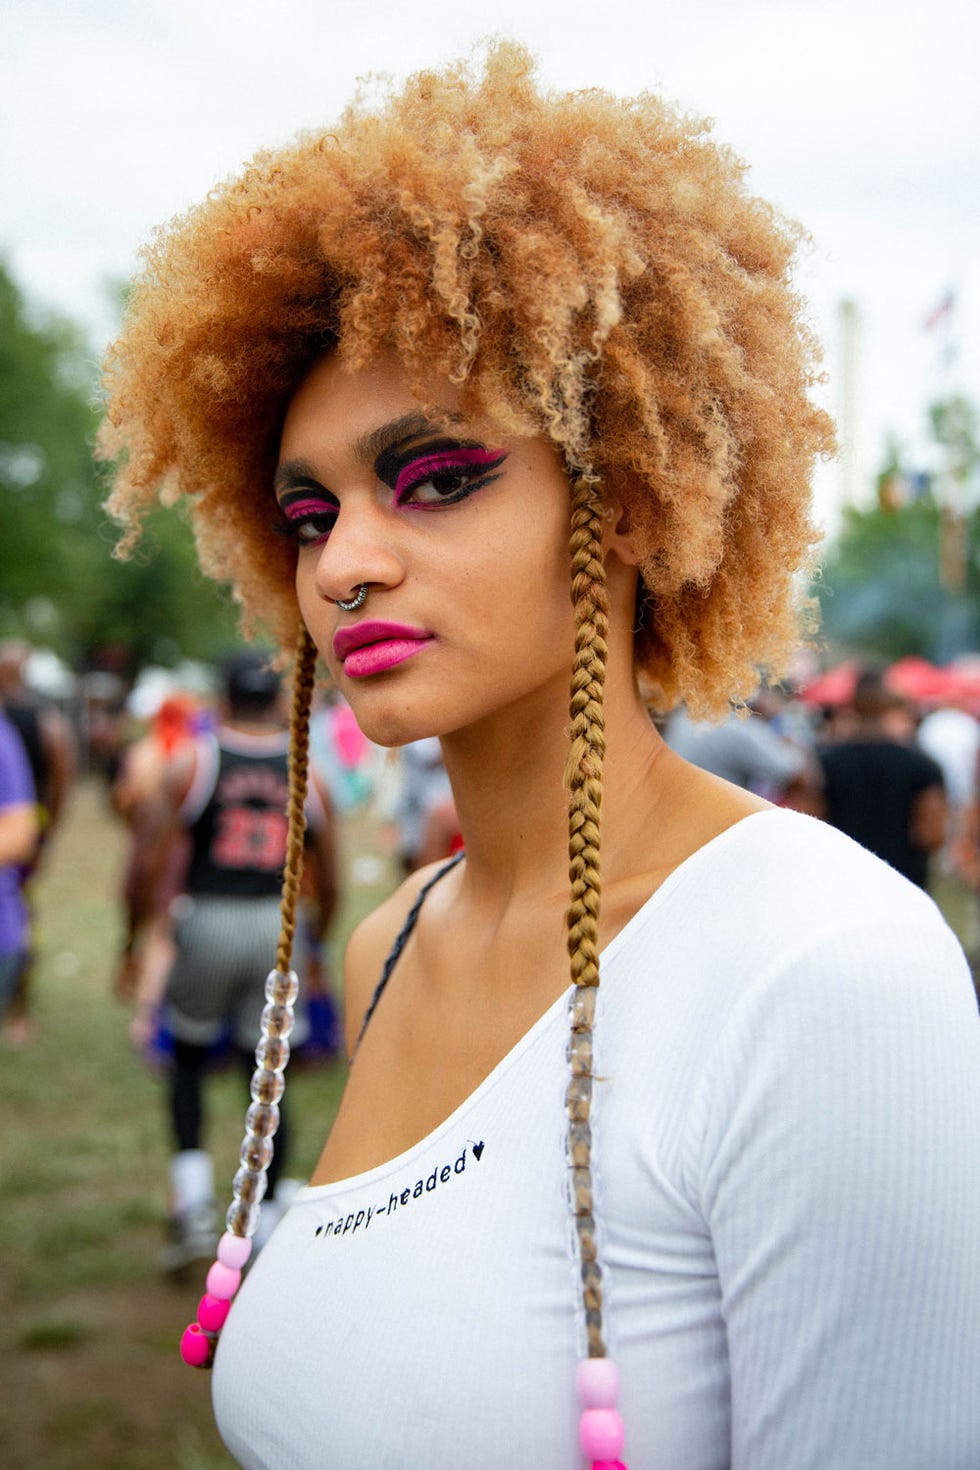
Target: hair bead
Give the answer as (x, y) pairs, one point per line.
(582, 1009)
(601, 1433)
(233, 1250)
(281, 988)
(579, 1143)
(262, 1119)
(272, 1053)
(580, 1053)
(242, 1219)
(578, 1099)
(223, 1281)
(597, 1383)
(267, 1087)
(212, 1312)
(277, 1019)
(197, 1347)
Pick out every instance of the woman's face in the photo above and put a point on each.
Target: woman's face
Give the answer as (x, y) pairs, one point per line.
(461, 539)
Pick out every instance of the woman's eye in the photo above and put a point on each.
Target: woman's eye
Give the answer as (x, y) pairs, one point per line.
(307, 521)
(443, 486)
(312, 529)
(441, 479)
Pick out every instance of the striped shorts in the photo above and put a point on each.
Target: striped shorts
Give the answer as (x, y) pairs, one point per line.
(225, 949)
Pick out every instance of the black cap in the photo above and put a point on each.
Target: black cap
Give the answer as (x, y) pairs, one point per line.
(250, 679)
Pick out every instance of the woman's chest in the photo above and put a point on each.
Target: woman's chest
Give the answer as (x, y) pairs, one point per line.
(427, 1313)
(437, 1035)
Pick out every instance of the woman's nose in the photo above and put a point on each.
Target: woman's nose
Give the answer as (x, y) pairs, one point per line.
(360, 550)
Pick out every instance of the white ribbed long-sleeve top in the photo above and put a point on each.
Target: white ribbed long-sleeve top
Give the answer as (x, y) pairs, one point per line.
(787, 1148)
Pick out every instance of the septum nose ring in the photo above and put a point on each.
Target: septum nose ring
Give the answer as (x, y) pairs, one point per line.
(355, 602)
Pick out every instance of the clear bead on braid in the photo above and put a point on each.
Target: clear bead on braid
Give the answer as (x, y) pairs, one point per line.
(197, 1346)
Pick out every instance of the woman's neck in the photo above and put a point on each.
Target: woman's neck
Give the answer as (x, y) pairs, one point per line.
(511, 800)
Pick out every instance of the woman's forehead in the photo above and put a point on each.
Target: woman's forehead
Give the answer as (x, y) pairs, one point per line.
(356, 413)
(344, 406)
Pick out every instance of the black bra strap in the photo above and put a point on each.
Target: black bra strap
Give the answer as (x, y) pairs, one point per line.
(399, 944)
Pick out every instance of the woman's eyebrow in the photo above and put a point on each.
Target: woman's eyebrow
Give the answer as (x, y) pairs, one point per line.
(367, 447)
(293, 472)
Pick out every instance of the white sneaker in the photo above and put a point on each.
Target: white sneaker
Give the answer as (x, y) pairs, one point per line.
(194, 1237)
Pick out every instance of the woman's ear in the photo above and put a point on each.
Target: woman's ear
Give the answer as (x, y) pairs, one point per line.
(617, 532)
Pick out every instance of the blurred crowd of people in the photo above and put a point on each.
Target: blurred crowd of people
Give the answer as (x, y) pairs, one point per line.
(195, 769)
(899, 779)
(197, 777)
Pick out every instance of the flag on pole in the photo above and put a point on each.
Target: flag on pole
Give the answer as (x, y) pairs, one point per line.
(941, 312)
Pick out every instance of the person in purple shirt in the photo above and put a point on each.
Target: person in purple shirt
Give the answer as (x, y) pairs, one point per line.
(18, 839)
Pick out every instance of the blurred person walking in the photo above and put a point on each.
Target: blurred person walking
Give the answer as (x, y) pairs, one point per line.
(746, 750)
(346, 761)
(226, 793)
(51, 750)
(146, 899)
(951, 735)
(880, 789)
(424, 811)
(18, 843)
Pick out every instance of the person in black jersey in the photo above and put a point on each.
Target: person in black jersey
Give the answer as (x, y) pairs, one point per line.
(226, 796)
(886, 794)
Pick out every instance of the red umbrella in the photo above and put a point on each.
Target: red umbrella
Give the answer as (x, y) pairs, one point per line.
(964, 675)
(919, 680)
(834, 687)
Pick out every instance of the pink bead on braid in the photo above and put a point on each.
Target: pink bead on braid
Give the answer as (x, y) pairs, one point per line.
(198, 1343)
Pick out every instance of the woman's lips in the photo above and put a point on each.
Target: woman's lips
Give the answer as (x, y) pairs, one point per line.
(372, 647)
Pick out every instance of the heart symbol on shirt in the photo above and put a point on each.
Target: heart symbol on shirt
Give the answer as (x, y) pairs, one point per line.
(478, 1150)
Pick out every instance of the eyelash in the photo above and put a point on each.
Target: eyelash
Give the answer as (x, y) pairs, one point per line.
(474, 467)
(314, 515)
(310, 521)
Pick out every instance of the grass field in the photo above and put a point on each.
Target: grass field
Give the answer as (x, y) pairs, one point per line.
(88, 1326)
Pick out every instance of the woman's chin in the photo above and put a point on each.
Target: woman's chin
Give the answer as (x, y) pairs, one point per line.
(391, 727)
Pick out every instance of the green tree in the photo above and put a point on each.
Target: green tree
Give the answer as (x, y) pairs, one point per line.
(59, 582)
(904, 576)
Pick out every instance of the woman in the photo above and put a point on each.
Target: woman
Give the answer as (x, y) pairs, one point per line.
(424, 344)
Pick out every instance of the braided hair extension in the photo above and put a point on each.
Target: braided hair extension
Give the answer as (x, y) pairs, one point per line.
(299, 751)
(272, 1053)
(583, 778)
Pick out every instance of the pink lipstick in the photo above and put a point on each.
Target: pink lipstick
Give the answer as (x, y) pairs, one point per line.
(373, 647)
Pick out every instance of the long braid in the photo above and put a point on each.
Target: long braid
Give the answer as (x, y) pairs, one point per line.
(299, 751)
(583, 776)
(272, 1053)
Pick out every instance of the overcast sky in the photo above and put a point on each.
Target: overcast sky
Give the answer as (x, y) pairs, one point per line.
(858, 117)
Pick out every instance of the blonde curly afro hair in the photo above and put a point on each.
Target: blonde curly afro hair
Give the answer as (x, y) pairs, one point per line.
(582, 266)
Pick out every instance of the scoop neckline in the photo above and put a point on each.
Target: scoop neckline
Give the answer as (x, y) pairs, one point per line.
(660, 895)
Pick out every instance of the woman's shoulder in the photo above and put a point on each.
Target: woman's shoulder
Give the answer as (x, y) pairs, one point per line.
(372, 940)
(808, 902)
(783, 899)
(803, 858)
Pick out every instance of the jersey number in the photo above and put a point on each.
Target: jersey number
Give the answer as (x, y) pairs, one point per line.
(250, 838)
